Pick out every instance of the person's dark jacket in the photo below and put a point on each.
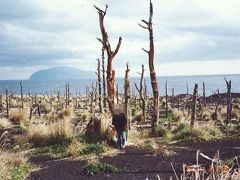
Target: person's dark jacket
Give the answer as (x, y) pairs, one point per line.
(120, 122)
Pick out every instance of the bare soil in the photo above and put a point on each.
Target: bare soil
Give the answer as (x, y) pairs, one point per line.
(136, 163)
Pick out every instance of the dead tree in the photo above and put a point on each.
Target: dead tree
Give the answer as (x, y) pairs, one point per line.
(204, 95)
(126, 92)
(104, 81)
(166, 96)
(117, 94)
(1, 103)
(148, 25)
(194, 105)
(7, 103)
(67, 94)
(187, 88)
(99, 86)
(111, 54)
(229, 101)
(21, 93)
(141, 94)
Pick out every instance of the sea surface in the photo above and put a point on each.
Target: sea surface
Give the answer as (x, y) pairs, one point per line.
(179, 83)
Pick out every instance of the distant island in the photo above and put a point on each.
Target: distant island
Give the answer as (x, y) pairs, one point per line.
(60, 73)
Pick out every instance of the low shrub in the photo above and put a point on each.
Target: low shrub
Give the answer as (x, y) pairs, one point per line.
(97, 168)
(92, 149)
(188, 134)
(159, 131)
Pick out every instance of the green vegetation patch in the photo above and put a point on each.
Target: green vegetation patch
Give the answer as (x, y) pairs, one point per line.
(20, 172)
(92, 149)
(97, 168)
(58, 150)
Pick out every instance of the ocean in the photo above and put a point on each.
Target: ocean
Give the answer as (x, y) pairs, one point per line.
(179, 83)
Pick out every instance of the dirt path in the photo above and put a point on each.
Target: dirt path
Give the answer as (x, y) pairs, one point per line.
(136, 163)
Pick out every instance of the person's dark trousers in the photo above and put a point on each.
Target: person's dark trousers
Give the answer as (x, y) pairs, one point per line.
(121, 142)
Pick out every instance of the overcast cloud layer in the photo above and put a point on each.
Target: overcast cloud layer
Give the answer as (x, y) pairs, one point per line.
(191, 37)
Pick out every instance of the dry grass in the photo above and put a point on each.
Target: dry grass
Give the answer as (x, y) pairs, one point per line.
(5, 123)
(18, 116)
(8, 161)
(217, 169)
(47, 134)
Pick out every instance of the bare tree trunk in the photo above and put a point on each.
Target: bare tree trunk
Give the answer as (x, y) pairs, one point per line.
(7, 103)
(187, 89)
(166, 95)
(117, 94)
(153, 77)
(140, 91)
(126, 93)
(21, 93)
(66, 94)
(111, 54)
(204, 95)
(194, 104)
(104, 81)
(229, 101)
(1, 103)
(99, 86)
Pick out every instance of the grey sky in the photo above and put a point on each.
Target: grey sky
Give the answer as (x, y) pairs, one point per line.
(191, 37)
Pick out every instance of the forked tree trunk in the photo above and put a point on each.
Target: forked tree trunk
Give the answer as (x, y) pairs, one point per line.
(194, 105)
(141, 94)
(153, 77)
(111, 54)
(229, 101)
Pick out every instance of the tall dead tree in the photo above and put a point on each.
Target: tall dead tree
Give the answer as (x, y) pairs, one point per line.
(7, 102)
(204, 95)
(141, 94)
(194, 105)
(166, 96)
(117, 94)
(229, 101)
(110, 54)
(1, 103)
(104, 80)
(21, 88)
(149, 26)
(99, 86)
(126, 92)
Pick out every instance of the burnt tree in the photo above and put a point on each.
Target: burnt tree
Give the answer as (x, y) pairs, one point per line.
(204, 95)
(149, 26)
(194, 105)
(21, 88)
(110, 56)
(229, 101)
(126, 92)
(104, 80)
(166, 97)
(7, 103)
(99, 86)
(141, 93)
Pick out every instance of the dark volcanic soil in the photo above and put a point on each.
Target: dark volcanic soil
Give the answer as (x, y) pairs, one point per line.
(135, 163)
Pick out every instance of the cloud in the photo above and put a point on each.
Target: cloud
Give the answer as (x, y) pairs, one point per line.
(36, 34)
